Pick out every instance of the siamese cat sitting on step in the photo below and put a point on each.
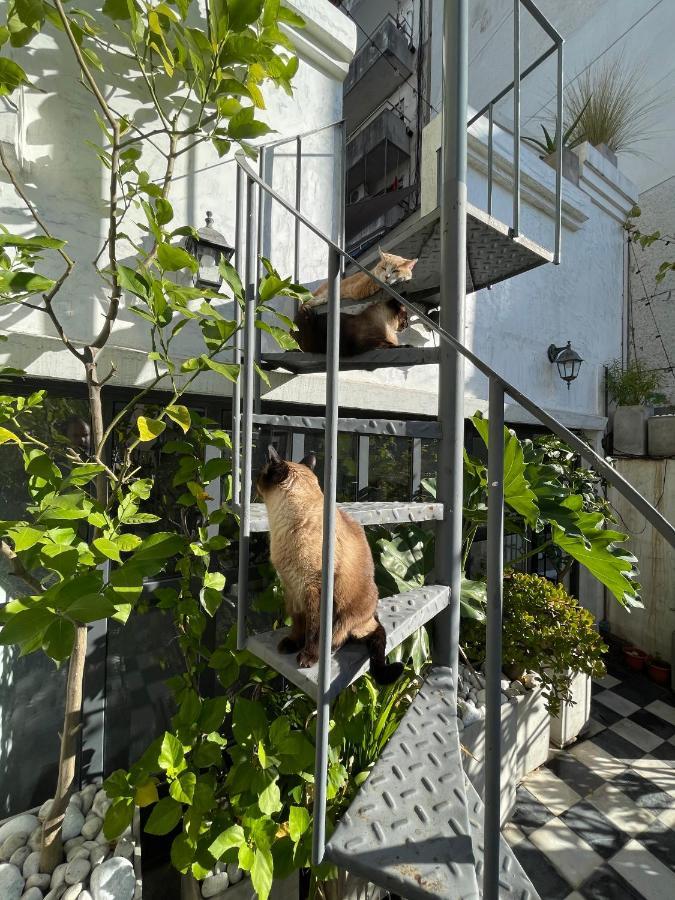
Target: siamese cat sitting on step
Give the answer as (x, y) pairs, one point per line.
(379, 323)
(294, 502)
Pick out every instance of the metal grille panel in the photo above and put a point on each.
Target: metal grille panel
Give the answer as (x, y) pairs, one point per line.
(392, 513)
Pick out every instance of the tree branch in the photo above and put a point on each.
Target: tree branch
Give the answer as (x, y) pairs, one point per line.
(18, 568)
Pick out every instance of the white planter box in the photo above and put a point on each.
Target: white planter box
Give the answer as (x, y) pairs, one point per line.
(525, 741)
(573, 716)
(630, 430)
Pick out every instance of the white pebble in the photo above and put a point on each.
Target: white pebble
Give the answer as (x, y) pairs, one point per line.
(23, 824)
(113, 880)
(504, 684)
(73, 821)
(11, 882)
(89, 845)
(39, 880)
(85, 895)
(124, 848)
(214, 885)
(77, 853)
(19, 857)
(75, 801)
(73, 892)
(101, 804)
(33, 893)
(87, 797)
(77, 870)
(481, 696)
(73, 842)
(59, 875)
(12, 844)
(98, 854)
(101, 838)
(45, 809)
(92, 826)
(234, 873)
(56, 893)
(35, 840)
(32, 865)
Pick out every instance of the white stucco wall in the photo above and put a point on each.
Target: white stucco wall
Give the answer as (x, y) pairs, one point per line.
(45, 141)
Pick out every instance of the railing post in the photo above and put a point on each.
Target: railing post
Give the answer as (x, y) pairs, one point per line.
(236, 391)
(493, 664)
(559, 156)
(448, 560)
(490, 160)
(247, 416)
(298, 199)
(328, 557)
(516, 118)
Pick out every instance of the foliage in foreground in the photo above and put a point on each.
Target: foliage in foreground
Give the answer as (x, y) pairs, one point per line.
(544, 631)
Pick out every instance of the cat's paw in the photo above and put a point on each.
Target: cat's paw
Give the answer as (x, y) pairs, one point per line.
(307, 659)
(288, 645)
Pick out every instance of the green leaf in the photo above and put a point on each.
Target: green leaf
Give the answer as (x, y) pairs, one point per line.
(25, 625)
(133, 282)
(163, 211)
(246, 857)
(291, 18)
(164, 817)
(227, 370)
(231, 837)
(269, 800)
(212, 714)
(159, 546)
(249, 722)
(182, 852)
(58, 640)
(231, 277)
(298, 822)
(243, 125)
(172, 259)
(25, 538)
(11, 77)
(23, 282)
(146, 793)
(261, 872)
(149, 429)
(118, 818)
(183, 788)
(31, 243)
(107, 548)
(90, 608)
(171, 754)
(180, 415)
(7, 436)
(243, 13)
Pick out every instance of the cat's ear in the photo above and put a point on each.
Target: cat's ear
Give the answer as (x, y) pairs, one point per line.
(309, 461)
(412, 263)
(273, 456)
(383, 255)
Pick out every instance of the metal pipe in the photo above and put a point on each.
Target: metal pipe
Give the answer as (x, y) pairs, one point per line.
(236, 390)
(493, 666)
(270, 145)
(453, 293)
(559, 159)
(490, 162)
(247, 418)
(259, 271)
(298, 197)
(328, 558)
(603, 468)
(541, 20)
(516, 117)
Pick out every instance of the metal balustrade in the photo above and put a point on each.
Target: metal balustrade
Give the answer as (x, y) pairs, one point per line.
(251, 187)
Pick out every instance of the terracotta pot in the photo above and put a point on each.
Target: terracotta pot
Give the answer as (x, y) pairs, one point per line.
(659, 672)
(635, 659)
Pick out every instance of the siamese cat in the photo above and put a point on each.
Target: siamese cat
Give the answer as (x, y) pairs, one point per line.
(374, 328)
(294, 502)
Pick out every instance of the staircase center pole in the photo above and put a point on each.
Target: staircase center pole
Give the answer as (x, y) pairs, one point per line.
(453, 293)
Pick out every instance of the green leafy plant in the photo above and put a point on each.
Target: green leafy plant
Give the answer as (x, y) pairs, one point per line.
(647, 239)
(544, 631)
(197, 75)
(572, 136)
(634, 384)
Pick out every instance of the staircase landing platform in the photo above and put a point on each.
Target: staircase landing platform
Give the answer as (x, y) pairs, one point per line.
(375, 513)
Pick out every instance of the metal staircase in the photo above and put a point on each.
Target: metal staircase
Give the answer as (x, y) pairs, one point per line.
(416, 827)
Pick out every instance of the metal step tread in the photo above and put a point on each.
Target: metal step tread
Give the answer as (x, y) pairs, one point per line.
(306, 363)
(401, 615)
(407, 829)
(376, 513)
(513, 882)
(431, 428)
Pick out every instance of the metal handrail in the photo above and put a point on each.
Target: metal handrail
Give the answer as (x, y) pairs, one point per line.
(636, 499)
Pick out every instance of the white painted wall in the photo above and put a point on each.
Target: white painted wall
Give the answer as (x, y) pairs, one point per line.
(45, 139)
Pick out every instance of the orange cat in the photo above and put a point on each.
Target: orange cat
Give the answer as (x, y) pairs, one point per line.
(374, 328)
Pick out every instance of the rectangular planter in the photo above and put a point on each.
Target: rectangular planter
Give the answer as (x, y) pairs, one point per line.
(630, 430)
(525, 741)
(661, 436)
(573, 717)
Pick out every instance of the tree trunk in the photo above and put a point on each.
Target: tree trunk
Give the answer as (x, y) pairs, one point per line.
(51, 854)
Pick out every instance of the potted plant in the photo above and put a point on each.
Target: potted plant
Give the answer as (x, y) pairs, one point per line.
(548, 147)
(76, 555)
(634, 390)
(658, 670)
(635, 658)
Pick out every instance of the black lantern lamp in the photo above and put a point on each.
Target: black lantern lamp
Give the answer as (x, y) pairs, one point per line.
(208, 248)
(567, 360)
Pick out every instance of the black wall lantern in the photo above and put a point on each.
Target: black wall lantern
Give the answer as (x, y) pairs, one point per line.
(567, 360)
(208, 249)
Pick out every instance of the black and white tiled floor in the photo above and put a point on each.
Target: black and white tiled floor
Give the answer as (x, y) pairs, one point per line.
(597, 822)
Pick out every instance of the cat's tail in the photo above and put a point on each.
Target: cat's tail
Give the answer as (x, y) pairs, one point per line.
(382, 671)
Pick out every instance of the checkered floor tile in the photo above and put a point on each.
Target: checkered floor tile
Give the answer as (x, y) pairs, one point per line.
(597, 822)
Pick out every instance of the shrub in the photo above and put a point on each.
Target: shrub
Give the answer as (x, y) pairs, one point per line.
(633, 385)
(545, 631)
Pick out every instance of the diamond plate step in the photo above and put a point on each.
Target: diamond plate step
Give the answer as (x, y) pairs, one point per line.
(513, 882)
(305, 363)
(407, 830)
(393, 513)
(400, 615)
(396, 427)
